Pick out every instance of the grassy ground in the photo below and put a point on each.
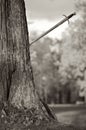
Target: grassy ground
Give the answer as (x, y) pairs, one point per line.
(71, 114)
(12, 118)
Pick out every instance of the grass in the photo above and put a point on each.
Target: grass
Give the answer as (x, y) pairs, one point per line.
(71, 114)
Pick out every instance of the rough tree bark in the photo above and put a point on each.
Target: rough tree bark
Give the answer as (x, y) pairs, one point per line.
(22, 89)
(16, 78)
(15, 70)
(3, 52)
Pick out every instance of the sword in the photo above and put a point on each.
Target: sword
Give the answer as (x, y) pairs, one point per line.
(55, 26)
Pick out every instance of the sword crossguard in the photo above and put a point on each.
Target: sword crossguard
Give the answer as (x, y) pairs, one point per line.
(67, 18)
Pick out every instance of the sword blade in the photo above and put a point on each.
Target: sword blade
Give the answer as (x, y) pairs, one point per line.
(52, 28)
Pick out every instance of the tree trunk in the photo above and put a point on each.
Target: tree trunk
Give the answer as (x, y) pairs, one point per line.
(22, 89)
(15, 70)
(16, 78)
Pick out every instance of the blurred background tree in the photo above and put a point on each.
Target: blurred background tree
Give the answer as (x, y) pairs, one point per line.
(73, 60)
(59, 66)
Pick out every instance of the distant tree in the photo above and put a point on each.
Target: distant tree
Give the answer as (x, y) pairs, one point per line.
(44, 55)
(73, 60)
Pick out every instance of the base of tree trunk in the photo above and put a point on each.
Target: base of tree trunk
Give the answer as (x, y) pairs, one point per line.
(12, 118)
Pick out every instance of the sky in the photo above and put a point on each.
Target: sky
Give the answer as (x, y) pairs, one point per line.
(43, 14)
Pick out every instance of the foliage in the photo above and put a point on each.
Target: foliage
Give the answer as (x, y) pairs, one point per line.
(73, 59)
(60, 66)
(44, 62)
